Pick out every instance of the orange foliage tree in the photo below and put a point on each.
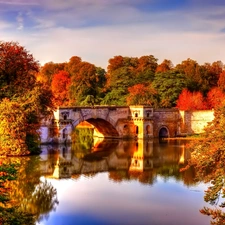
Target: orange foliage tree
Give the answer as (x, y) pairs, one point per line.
(221, 81)
(60, 87)
(191, 100)
(215, 97)
(141, 94)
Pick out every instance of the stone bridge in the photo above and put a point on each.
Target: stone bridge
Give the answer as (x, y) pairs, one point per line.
(123, 122)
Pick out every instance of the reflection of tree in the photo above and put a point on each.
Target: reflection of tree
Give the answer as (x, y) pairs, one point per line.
(28, 193)
(118, 175)
(82, 141)
(42, 201)
(208, 157)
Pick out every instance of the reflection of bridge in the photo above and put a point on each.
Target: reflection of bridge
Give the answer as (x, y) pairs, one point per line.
(123, 122)
(130, 156)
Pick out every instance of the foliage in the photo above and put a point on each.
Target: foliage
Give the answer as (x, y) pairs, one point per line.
(48, 70)
(169, 86)
(125, 72)
(23, 101)
(60, 88)
(221, 81)
(215, 98)
(13, 125)
(208, 158)
(115, 97)
(13, 216)
(86, 79)
(165, 66)
(17, 69)
(191, 101)
(141, 94)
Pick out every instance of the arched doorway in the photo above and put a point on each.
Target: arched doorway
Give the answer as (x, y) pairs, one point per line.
(64, 133)
(148, 129)
(163, 133)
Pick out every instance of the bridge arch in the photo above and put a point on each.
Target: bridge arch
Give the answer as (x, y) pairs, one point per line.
(163, 132)
(102, 127)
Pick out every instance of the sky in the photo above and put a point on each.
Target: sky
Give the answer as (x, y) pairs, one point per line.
(97, 30)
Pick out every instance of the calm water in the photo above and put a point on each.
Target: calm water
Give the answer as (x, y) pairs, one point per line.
(115, 182)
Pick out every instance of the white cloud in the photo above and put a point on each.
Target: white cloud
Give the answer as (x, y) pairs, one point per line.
(97, 45)
(99, 30)
(19, 2)
(19, 19)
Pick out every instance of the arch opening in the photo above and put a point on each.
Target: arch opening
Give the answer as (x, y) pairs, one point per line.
(163, 133)
(102, 128)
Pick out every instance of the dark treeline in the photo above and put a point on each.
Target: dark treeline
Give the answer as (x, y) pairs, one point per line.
(134, 81)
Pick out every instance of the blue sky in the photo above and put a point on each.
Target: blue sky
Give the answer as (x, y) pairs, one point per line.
(97, 30)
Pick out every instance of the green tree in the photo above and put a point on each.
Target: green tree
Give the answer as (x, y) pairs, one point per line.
(169, 86)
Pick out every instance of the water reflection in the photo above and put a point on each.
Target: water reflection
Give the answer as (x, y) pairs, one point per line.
(124, 160)
(123, 182)
(114, 182)
(27, 192)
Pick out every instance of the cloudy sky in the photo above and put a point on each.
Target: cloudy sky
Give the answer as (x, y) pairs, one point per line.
(97, 30)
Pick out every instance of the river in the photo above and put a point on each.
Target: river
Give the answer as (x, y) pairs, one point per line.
(111, 182)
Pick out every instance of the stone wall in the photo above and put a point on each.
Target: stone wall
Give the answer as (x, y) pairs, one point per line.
(194, 122)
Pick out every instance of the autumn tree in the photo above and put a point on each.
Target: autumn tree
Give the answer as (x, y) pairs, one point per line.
(17, 70)
(221, 81)
(165, 66)
(191, 69)
(60, 88)
(215, 98)
(125, 72)
(142, 94)
(208, 158)
(23, 100)
(146, 68)
(191, 100)
(48, 70)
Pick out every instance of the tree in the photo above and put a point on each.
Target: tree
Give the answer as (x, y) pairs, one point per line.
(215, 98)
(17, 70)
(146, 68)
(48, 70)
(60, 88)
(192, 71)
(169, 86)
(165, 66)
(191, 100)
(221, 81)
(23, 101)
(208, 158)
(86, 79)
(141, 94)
(125, 72)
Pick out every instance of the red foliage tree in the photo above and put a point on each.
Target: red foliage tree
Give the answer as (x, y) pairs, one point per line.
(215, 97)
(191, 101)
(60, 88)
